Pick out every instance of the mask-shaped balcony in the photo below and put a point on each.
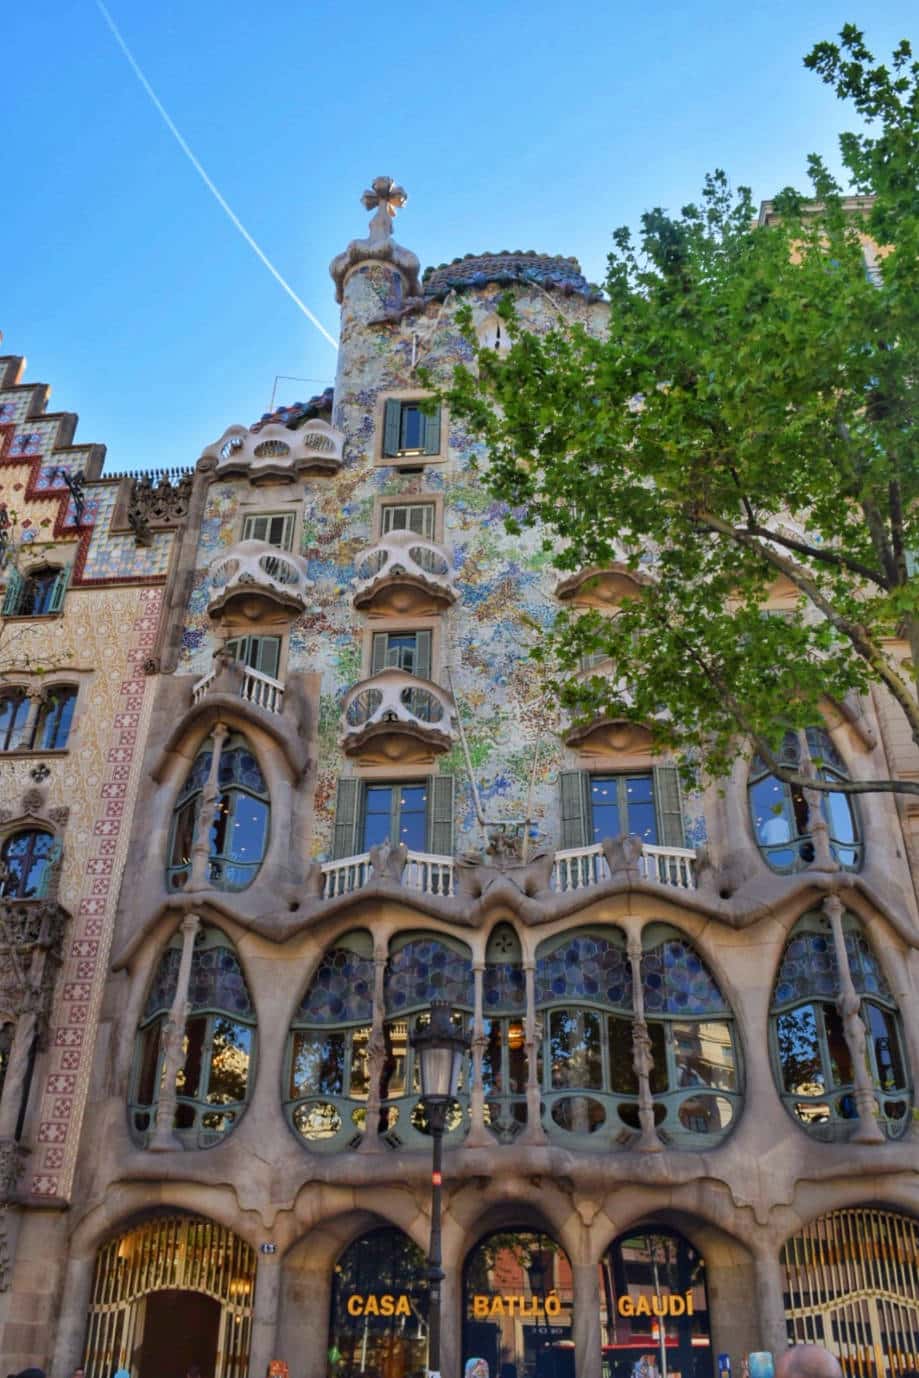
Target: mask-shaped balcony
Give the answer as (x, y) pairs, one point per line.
(404, 574)
(253, 574)
(396, 718)
(276, 452)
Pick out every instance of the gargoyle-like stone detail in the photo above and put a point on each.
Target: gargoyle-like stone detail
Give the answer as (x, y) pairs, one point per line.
(394, 716)
(12, 1161)
(33, 801)
(402, 574)
(388, 861)
(31, 936)
(276, 451)
(253, 572)
(385, 198)
(161, 505)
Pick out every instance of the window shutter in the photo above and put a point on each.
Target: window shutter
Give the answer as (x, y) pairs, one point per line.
(13, 592)
(380, 645)
(423, 655)
(56, 600)
(421, 520)
(430, 442)
(575, 786)
(268, 655)
(440, 815)
(667, 806)
(344, 839)
(392, 425)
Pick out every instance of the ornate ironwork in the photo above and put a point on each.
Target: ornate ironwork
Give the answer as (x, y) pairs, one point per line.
(75, 483)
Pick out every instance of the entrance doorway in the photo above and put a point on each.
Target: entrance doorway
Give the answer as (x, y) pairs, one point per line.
(379, 1322)
(654, 1307)
(180, 1329)
(518, 1306)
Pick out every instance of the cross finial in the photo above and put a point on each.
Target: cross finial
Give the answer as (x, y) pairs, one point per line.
(386, 198)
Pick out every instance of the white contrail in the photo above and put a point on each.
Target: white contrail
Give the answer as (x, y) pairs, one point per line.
(206, 180)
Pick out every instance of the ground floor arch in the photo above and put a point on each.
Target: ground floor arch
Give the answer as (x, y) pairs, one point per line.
(654, 1318)
(168, 1292)
(378, 1323)
(518, 1306)
(852, 1285)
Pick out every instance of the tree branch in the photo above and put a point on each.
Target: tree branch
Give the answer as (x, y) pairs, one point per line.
(825, 556)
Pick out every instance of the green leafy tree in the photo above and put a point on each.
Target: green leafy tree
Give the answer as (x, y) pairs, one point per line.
(747, 421)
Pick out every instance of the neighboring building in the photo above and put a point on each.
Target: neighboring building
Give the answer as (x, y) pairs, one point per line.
(686, 1127)
(79, 612)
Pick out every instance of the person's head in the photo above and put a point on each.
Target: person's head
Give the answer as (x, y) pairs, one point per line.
(807, 1361)
(193, 1371)
(78, 1372)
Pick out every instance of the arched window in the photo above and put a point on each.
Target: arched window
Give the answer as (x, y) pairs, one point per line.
(378, 1321)
(214, 1081)
(813, 1062)
(504, 1059)
(239, 833)
(780, 812)
(421, 968)
(14, 720)
(586, 1062)
(584, 1000)
(55, 714)
(328, 1077)
(696, 1076)
(26, 859)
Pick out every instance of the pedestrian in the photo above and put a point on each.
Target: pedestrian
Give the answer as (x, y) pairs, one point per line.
(807, 1361)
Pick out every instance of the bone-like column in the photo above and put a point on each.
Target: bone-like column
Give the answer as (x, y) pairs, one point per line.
(642, 1059)
(849, 1006)
(163, 1138)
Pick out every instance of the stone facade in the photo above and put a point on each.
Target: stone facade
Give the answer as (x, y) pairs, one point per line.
(346, 630)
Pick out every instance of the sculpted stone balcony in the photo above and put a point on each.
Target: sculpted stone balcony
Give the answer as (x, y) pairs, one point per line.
(253, 686)
(396, 717)
(253, 573)
(404, 574)
(275, 452)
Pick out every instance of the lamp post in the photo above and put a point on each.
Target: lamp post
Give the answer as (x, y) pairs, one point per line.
(440, 1048)
(536, 1272)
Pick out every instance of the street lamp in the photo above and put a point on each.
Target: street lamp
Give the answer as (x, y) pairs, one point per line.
(440, 1048)
(536, 1272)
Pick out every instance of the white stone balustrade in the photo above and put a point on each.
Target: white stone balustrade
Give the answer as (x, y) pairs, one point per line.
(424, 871)
(255, 687)
(576, 868)
(401, 557)
(275, 451)
(255, 567)
(395, 699)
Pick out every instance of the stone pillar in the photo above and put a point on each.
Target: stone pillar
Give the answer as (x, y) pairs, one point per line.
(71, 1325)
(849, 1005)
(376, 1054)
(534, 1132)
(731, 1284)
(770, 1302)
(586, 1323)
(210, 798)
(451, 1319)
(265, 1314)
(303, 1330)
(17, 1071)
(642, 1060)
(478, 1136)
(163, 1139)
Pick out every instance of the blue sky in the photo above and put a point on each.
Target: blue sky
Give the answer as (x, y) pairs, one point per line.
(539, 126)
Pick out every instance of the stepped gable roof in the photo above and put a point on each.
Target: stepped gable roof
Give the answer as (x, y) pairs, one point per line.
(298, 412)
(477, 270)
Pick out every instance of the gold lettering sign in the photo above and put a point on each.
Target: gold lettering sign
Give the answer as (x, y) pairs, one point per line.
(674, 1305)
(485, 1305)
(386, 1304)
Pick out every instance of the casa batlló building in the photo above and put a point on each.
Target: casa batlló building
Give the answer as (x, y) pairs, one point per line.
(685, 1125)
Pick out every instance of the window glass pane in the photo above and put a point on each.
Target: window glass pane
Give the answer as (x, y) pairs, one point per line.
(604, 807)
(623, 1079)
(359, 1081)
(14, 717)
(401, 651)
(395, 1042)
(492, 1073)
(413, 817)
(660, 1076)
(412, 426)
(56, 717)
(231, 1046)
(37, 592)
(639, 800)
(704, 1055)
(184, 832)
(27, 857)
(885, 1041)
(574, 1047)
(149, 1058)
(377, 815)
(248, 828)
(841, 1070)
(188, 1081)
(772, 815)
(317, 1064)
(799, 1052)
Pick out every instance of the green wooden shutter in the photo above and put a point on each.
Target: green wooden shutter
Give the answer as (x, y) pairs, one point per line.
(575, 805)
(380, 645)
(423, 655)
(60, 588)
(344, 838)
(13, 593)
(440, 815)
(667, 806)
(392, 426)
(430, 434)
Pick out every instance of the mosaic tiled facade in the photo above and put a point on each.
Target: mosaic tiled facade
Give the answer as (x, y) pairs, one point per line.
(677, 1043)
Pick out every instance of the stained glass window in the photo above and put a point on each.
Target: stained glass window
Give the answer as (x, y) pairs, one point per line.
(676, 981)
(425, 969)
(813, 1060)
(341, 992)
(239, 832)
(213, 1081)
(585, 967)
